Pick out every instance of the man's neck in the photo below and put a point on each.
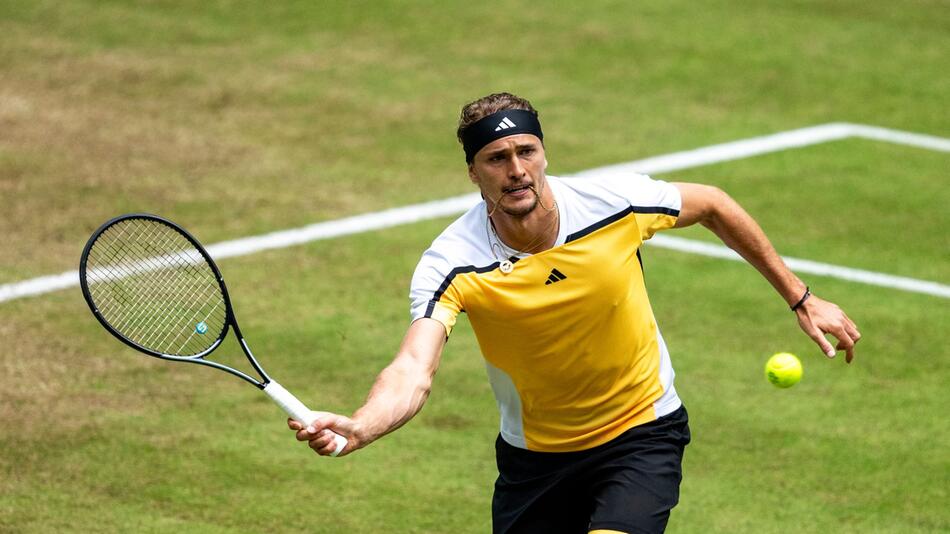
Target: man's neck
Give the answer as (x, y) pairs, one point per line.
(532, 233)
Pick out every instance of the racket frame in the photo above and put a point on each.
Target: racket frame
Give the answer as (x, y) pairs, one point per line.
(230, 320)
(272, 388)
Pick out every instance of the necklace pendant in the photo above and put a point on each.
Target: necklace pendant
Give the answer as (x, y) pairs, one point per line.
(506, 266)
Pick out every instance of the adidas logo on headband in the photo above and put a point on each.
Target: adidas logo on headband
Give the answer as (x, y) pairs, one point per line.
(497, 125)
(505, 124)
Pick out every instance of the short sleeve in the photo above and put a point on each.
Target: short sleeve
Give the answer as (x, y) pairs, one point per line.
(431, 294)
(655, 203)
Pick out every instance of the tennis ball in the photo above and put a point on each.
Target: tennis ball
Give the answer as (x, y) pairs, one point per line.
(783, 370)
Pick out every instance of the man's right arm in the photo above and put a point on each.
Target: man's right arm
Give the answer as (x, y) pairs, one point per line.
(398, 394)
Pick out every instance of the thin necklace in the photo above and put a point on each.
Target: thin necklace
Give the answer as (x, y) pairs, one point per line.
(505, 265)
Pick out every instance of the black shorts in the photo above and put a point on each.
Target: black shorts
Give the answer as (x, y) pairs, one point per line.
(629, 484)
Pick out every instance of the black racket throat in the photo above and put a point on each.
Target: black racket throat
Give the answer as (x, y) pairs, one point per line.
(260, 382)
(153, 286)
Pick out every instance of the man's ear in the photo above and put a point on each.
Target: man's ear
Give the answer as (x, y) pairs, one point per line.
(471, 174)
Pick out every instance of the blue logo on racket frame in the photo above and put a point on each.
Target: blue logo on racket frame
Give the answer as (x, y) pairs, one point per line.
(201, 327)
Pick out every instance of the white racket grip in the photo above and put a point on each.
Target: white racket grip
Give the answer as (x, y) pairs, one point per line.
(298, 411)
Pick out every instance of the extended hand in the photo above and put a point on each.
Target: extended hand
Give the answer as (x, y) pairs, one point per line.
(818, 317)
(319, 435)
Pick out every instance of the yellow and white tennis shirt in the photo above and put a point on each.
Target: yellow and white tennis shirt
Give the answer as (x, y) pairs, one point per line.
(573, 351)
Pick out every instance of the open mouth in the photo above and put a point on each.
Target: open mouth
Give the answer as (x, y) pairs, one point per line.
(521, 189)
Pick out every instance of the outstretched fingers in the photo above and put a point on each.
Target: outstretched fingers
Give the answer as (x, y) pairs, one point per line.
(851, 328)
(845, 342)
(817, 336)
(819, 317)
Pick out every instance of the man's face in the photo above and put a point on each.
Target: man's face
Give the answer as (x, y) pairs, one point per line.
(507, 169)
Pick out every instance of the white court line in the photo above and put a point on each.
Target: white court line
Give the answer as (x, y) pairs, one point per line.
(670, 162)
(806, 266)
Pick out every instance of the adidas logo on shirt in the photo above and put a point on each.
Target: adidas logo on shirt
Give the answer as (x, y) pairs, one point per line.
(505, 124)
(555, 276)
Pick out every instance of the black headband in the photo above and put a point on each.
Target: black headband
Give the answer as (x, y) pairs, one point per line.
(498, 125)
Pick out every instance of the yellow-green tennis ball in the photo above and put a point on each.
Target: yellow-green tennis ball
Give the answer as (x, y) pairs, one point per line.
(783, 370)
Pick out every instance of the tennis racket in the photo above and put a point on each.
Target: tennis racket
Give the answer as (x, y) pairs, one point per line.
(153, 286)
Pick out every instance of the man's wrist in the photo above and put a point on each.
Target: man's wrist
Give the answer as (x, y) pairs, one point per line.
(801, 301)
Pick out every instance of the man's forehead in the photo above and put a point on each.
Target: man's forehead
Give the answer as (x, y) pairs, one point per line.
(512, 141)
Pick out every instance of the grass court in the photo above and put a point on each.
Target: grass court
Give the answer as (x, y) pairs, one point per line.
(235, 119)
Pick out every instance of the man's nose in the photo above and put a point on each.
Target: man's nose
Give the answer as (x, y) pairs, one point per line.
(515, 168)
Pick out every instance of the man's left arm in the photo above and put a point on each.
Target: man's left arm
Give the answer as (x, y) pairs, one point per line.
(717, 211)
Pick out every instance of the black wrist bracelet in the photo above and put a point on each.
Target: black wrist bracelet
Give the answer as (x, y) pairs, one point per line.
(802, 300)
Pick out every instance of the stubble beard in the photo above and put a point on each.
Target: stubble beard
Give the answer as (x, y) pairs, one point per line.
(520, 212)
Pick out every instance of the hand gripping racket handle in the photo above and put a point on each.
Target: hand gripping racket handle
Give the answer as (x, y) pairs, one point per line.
(298, 411)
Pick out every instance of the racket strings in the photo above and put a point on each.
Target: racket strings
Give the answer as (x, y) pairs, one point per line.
(124, 266)
(177, 273)
(193, 296)
(153, 286)
(125, 262)
(168, 270)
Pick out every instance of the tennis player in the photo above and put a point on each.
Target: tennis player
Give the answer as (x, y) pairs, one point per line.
(549, 272)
